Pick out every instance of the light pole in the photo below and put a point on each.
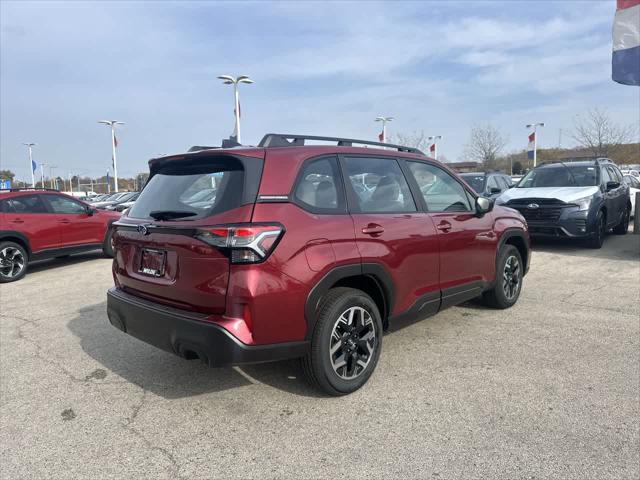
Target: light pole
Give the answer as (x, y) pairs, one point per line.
(235, 81)
(51, 178)
(434, 146)
(383, 136)
(534, 140)
(114, 144)
(42, 165)
(29, 147)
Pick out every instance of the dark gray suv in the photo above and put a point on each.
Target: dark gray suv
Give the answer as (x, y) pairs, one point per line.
(488, 184)
(581, 199)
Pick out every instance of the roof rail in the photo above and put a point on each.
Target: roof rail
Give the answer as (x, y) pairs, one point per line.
(22, 189)
(289, 140)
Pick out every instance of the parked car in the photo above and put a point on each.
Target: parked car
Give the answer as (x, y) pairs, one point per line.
(39, 224)
(122, 204)
(582, 200)
(488, 184)
(634, 187)
(632, 172)
(291, 259)
(115, 199)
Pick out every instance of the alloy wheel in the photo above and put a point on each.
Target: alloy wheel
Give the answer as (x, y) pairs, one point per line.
(511, 277)
(12, 262)
(352, 343)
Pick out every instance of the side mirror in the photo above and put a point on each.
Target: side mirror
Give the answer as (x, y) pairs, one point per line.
(612, 185)
(494, 190)
(89, 209)
(483, 205)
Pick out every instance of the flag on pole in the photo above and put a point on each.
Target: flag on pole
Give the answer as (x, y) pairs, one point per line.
(531, 147)
(432, 148)
(34, 165)
(625, 63)
(115, 141)
(381, 136)
(107, 178)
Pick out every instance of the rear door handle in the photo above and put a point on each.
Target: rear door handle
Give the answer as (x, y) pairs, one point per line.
(17, 220)
(373, 229)
(444, 226)
(65, 221)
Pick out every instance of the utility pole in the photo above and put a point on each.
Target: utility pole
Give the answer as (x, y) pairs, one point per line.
(51, 177)
(114, 144)
(29, 147)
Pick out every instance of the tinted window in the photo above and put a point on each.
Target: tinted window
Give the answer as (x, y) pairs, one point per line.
(319, 187)
(379, 185)
(605, 176)
(563, 175)
(441, 191)
(25, 204)
(475, 181)
(614, 174)
(504, 182)
(64, 205)
(189, 190)
(493, 183)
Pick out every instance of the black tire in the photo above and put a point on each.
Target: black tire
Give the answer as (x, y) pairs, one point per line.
(107, 245)
(351, 342)
(597, 236)
(14, 261)
(623, 227)
(509, 275)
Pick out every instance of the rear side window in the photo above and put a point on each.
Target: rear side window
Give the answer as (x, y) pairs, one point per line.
(319, 188)
(379, 185)
(187, 190)
(24, 204)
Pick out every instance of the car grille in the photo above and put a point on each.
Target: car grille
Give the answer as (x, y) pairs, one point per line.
(547, 210)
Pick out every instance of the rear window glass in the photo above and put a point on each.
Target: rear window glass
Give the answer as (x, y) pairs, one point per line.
(188, 191)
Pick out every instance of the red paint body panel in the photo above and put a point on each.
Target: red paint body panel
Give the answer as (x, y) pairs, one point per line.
(264, 303)
(44, 231)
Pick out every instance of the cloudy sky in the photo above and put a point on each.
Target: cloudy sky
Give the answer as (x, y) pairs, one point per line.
(319, 68)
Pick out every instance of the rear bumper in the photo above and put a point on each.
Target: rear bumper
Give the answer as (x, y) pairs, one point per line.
(188, 334)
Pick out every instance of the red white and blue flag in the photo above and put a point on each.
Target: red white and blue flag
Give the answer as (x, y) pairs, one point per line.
(532, 146)
(626, 43)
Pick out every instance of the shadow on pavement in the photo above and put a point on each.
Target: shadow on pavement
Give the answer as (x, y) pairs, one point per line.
(616, 247)
(168, 375)
(39, 265)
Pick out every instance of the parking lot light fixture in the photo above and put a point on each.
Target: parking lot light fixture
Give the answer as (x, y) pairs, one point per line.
(29, 146)
(235, 81)
(433, 148)
(114, 144)
(383, 136)
(535, 141)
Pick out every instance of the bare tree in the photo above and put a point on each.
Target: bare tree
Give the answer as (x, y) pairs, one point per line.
(485, 145)
(598, 134)
(416, 139)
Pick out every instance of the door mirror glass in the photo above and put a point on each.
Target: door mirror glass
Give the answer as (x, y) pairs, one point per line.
(612, 185)
(483, 205)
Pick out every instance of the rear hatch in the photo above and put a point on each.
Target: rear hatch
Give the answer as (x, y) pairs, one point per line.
(158, 256)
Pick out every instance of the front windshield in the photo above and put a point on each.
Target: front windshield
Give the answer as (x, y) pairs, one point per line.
(561, 176)
(475, 181)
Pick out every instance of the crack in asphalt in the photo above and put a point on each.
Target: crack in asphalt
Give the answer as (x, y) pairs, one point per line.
(129, 426)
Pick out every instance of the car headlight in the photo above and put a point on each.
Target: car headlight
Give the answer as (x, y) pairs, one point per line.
(583, 203)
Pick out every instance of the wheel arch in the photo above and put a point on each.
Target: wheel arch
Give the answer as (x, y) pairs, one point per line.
(17, 237)
(370, 278)
(518, 239)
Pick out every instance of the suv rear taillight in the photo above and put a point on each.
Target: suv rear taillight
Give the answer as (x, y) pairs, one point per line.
(251, 243)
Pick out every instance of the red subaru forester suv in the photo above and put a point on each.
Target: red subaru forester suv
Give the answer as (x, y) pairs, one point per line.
(39, 224)
(243, 255)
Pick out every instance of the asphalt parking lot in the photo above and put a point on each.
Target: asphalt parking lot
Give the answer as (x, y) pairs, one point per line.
(549, 388)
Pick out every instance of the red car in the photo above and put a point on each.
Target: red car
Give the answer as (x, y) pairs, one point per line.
(39, 224)
(246, 255)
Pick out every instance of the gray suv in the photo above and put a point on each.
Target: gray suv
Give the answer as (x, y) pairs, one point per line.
(581, 199)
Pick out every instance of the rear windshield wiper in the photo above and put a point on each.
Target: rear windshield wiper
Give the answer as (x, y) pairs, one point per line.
(170, 214)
